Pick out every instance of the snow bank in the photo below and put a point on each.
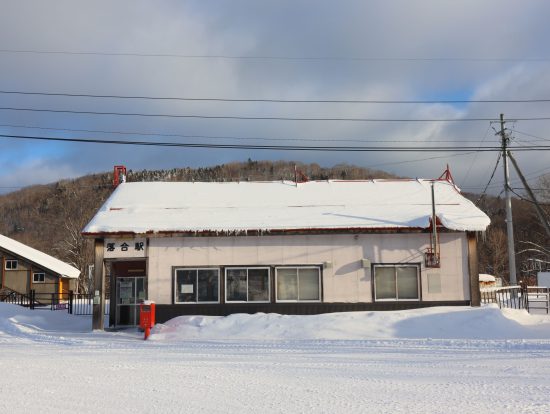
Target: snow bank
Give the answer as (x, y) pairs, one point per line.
(487, 322)
(439, 323)
(18, 321)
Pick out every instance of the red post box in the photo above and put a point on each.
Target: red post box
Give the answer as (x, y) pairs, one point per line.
(147, 316)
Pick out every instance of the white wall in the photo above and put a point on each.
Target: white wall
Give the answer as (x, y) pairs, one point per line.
(345, 281)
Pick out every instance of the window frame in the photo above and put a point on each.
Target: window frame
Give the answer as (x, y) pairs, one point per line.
(34, 274)
(247, 268)
(318, 268)
(395, 266)
(196, 269)
(11, 261)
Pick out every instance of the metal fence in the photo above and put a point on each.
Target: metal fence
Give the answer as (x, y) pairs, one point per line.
(505, 297)
(538, 298)
(73, 303)
(530, 298)
(16, 298)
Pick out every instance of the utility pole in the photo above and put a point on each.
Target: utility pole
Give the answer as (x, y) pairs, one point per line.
(508, 196)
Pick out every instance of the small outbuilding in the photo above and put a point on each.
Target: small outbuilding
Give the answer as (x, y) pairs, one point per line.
(298, 248)
(25, 269)
(489, 281)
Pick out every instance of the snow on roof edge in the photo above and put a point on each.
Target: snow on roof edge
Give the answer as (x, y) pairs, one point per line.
(466, 217)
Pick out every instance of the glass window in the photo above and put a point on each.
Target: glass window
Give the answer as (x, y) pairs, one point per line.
(247, 284)
(11, 264)
(197, 285)
(38, 278)
(208, 281)
(258, 285)
(287, 284)
(384, 280)
(308, 284)
(298, 284)
(396, 283)
(407, 283)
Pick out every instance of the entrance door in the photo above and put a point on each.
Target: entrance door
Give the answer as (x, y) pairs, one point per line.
(130, 292)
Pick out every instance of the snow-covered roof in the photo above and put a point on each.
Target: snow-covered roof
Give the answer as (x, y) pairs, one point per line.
(44, 260)
(483, 277)
(149, 207)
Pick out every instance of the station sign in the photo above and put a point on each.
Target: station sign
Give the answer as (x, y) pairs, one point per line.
(122, 248)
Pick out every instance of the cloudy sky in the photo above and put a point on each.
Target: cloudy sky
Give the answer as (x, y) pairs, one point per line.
(377, 50)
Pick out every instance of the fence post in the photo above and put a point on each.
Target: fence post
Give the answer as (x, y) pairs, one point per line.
(31, 304)
(70, 302)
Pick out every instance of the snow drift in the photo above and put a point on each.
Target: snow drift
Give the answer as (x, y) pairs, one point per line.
(438, 323)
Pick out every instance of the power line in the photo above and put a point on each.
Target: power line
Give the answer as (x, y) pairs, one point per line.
(264, 118)
(225, 137)
(475, 157)
(422, 159)
(490, 179)
(215, 99)
(533, 175)
(276, 147)
(531, 135)
(276, 57)
(526, 199)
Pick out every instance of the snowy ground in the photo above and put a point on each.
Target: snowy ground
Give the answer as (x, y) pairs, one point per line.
(432, 360)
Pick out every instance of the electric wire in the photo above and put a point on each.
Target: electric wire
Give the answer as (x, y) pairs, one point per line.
(531, 135)
(264, 118)
(483, 193)
(271, 100)
(526, 199)
(421, 159)
(224, 137)
(277, 57)
(475, 156)
(277, 147)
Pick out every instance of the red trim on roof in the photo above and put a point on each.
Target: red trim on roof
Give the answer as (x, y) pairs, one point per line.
(346, 230)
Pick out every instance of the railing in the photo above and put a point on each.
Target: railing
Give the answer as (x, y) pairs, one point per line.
(512, 297)
(73, 303)
(16, 299)
(538, 298)
(531, 298)
(83, 303)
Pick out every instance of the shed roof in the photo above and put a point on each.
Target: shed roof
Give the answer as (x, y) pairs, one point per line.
(150, 207)
(42, 259)
(484, 277)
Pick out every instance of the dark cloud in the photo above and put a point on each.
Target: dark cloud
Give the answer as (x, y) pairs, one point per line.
(396, 29)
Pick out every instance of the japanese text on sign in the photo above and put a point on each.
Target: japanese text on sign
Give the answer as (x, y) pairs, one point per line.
(125, 248)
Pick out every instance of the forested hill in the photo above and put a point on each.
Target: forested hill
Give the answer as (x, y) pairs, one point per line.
(50, 217)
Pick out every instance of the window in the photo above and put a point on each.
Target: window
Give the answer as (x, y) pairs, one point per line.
(298, 284)
(11, 264)
(38, 278)
(197, 285)
(247, 284)
(396, 283)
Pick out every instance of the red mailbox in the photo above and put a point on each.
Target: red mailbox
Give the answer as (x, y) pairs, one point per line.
(147, 316)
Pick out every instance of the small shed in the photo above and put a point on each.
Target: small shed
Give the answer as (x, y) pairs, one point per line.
(487, 281)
